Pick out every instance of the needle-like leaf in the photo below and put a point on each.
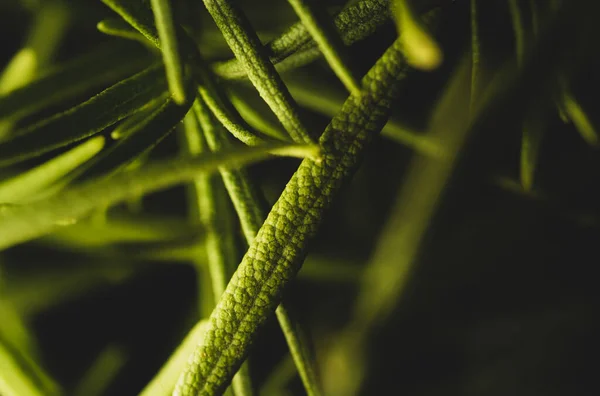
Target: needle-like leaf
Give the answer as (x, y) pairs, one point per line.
(99, 67)
(577, 115)
(278, 250)
(519, 29)
(214, 213)
(329, 102)
(21, 376)
(331, 45)
(140, 18)
(138, 138)
(391, 265)
(103, 371)
(23, 223)
(86, 119)
(164, 382)
(22, 186)
(251, 210)
(294, 47)
(246, 46)
(119, 28)
(165, 26)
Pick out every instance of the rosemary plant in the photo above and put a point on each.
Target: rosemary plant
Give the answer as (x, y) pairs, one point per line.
(334, 234)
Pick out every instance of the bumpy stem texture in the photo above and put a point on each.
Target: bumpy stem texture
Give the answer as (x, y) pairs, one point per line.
(279, 249)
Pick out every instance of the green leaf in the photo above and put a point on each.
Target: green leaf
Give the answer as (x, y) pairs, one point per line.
(20, 187)
(164, 382)
(213, 211)
(278, 250)
(119, 28)
(420, 48)
(138, 138)
(34, 293)
(103, 371)
(392, 262)
(246, 46)
(86, 119)
(533, 131)
(165, 25)
(98, 67)
(251, 210)
(23, 223)
(577, 115)
(324, 100)
(21, 376)
(331, 45)
(140, 17)
(294, 47)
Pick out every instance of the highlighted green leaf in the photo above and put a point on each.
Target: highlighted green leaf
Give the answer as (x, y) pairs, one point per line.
(20, 224)
(420, 48)
(331, 45)
(22, 186)
(165, 26)
(278, 250)
(577, 115)
(164, 382)
(119, 28)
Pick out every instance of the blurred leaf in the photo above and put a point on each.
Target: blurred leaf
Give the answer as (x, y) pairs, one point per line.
(102, 372)
(84, 120)
(98, 67)
(21, 187)
(164, 382)
(34, 220)
(138, 138)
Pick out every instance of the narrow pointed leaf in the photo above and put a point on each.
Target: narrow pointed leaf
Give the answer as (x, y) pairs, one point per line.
(278, 250)
(22, 186)
(296, 48)
(91, 70)
(214, 213)
(577, 115)
(251, 209)
(86, 119)
(533, 131)
(246, 46)
(22, 223)
(139, 138)
(164, 382)
(140, 17)
(165, 25)
(103, 371)
(331, 45)
(20, 375)
(392, 263)
(420, 48)
(119, 28)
